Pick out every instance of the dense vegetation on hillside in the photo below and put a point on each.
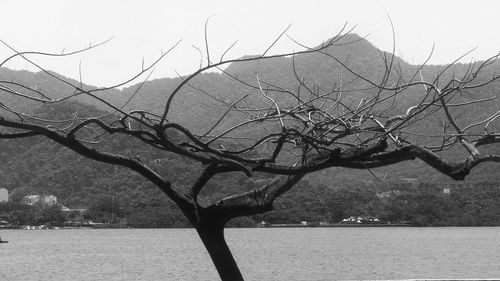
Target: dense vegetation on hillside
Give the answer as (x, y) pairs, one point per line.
(115, 195)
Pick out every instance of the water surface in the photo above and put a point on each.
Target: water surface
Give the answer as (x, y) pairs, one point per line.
(263, 254)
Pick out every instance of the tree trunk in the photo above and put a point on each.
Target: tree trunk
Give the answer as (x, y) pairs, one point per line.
(212, 236)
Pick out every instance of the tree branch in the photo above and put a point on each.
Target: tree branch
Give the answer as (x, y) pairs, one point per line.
(253, 202)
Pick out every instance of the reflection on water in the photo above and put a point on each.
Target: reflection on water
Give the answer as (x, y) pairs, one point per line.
(263, 254)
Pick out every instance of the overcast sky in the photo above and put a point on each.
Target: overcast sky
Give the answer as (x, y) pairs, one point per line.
(142, 28)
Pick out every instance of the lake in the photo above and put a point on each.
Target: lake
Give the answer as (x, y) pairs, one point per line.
(263, 254)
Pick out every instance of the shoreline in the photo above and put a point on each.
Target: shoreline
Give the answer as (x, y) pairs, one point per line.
(114, 226)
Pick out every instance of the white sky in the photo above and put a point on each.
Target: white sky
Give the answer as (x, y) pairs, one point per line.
(143, 28)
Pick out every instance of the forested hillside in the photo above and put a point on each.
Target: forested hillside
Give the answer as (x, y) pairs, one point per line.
(36, 165)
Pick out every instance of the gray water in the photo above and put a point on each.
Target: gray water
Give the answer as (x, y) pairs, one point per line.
(263, 254)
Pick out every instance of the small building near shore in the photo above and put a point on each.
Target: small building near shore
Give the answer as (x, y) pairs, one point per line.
(4, 195)
(45, 200)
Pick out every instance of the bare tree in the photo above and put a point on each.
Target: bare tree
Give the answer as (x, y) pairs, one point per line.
(282, 130)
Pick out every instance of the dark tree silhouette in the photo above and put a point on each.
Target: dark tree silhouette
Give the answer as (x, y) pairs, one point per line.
(282, 130)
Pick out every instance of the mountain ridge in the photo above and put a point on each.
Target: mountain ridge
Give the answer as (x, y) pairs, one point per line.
(196, 109)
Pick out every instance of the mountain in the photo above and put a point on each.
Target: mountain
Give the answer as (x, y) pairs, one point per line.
(197, 109)
(24, 166)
